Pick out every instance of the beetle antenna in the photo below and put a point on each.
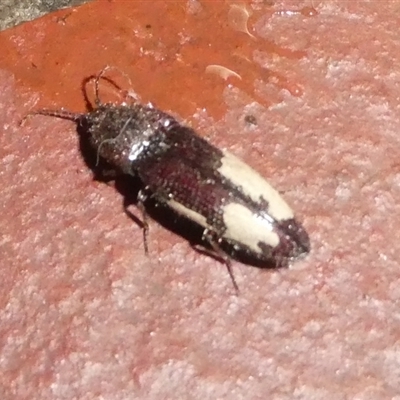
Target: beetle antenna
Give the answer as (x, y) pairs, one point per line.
(100, 75)
(63, 114)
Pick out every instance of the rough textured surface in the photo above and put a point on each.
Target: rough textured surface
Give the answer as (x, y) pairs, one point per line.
(85, 314)
(14, 12)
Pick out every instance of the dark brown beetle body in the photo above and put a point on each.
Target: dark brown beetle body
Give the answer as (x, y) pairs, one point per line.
(209, 186)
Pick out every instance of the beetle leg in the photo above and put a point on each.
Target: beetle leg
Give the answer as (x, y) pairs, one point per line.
(212, 239)
(142, 196)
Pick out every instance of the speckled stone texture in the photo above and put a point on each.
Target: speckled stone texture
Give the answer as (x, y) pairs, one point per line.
(14, 12)
(84, 314)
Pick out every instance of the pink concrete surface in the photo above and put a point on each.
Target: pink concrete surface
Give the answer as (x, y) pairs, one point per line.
(84, 314)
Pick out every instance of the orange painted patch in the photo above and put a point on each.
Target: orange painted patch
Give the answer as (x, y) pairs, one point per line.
(165, 48)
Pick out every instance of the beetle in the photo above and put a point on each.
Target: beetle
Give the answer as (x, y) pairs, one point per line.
(230, 201)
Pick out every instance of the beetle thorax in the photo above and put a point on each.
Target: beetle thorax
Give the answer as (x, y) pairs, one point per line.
(127, 135)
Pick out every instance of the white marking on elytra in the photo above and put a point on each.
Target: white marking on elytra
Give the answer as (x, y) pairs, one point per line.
(247, 228)
(188, 213)
(254, 186)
